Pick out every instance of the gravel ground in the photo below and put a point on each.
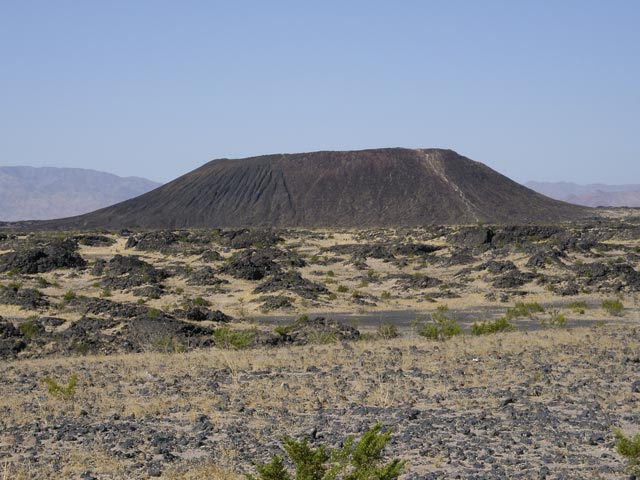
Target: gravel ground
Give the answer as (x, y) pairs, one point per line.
(528, 405)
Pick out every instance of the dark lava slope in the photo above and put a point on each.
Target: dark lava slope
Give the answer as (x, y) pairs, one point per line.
(382, 187)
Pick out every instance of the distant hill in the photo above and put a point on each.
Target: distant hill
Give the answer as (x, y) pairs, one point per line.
(593, 195)
(382, 187)
(28, 193)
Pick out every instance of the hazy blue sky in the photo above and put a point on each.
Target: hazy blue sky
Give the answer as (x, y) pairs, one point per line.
(539, 90)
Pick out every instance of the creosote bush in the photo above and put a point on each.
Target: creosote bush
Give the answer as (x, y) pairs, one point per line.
(355, 460)
(556, 319)
(484, 328)
(387, 330)
(613, 307)
(69, 295)
(440, 327)
(167, 344)
(30, 328)
(522, 309)
(578, 307)
(65, 391)
(629, 448)
(224, 337)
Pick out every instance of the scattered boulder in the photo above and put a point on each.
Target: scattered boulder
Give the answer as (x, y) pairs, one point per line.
(27, 298)
(497, 267)
(56, 254)
(417, 281)
(102, 306)
(360, 252)
(245, 238)
(87, 336)
(210, 255)
(317, 330)
(292, 282)
(205, 276)
(8, 330)
(95, 240)
(124, 272)
(513, 279)
(542, 258)
(616, 276)
(275, 302)
(252, 264)
(415, 249)
(157, 241)
(149, 291)
(201, 314)
(512, 235)
(472, 237)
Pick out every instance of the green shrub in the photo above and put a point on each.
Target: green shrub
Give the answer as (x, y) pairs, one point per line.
(440, 327)
(105, 293)
(613, 307)
(385, 295)
(322, 337)
(224, 337)
(330, 273)
(30, 328)
(167, 344)
(200, 302)
(556, 319)
(387, 330)
(355, 460)
(14, 286)
(629, 448)
(69, 295)
(283, 330)
(522, 309)
(372, 275)
(342, 289)
(578, 307)
(484, 328)
(56, 390)
(154, 313)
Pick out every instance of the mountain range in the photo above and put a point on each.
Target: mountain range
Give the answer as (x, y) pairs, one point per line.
(593, 195)
(30, 193)
(365, 188)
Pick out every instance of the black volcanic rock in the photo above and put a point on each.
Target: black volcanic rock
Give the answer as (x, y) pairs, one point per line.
(57, 254)
(383, 187)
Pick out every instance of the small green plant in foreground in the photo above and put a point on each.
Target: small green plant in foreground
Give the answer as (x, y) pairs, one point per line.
(224, 337)
(441, 326)
(629, 448)
(64, 391)
(484, 328)
(355, 460)
(613, 307)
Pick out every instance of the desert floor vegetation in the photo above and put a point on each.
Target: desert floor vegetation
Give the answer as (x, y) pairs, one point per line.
(488, 351)
(508, 404)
